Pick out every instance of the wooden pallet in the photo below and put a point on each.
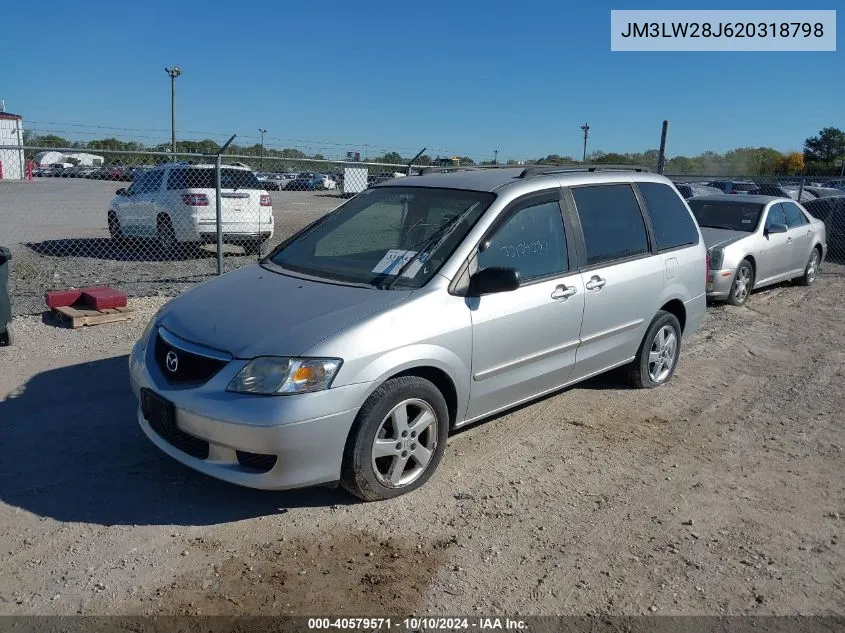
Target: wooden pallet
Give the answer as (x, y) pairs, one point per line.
(79, 316)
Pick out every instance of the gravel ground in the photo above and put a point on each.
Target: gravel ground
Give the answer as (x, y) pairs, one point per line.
(56, 229)
(721, 492)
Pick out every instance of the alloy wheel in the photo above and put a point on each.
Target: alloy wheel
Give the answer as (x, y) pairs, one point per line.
(663, 354)
(405, 442)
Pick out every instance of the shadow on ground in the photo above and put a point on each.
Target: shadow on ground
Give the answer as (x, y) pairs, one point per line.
(136, 250)
(72, 451)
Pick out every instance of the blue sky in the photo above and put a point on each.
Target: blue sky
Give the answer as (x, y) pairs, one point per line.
(462, 76)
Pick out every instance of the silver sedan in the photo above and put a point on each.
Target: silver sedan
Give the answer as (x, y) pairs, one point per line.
(755, 241)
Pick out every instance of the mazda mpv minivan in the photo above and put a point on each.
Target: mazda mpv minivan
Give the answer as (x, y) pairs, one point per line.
(421, 305)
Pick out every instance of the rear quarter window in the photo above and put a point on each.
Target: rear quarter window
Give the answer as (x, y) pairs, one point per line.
(673, 224)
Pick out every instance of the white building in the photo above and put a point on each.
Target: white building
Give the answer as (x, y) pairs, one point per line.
(12, 164)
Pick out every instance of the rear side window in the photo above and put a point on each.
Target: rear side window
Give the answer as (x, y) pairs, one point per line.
(612, 222)
(189, 178)
(794, 215)
(673, 225)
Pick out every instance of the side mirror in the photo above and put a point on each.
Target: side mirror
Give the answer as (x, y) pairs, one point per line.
(776, 228)
(121, 191)
(493, 280)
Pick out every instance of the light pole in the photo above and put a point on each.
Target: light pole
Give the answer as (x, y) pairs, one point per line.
(174, 73)
(495, 157)
(586, 129)
(262, 147)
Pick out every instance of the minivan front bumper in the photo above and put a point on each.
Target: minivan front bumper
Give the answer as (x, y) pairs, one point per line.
(305, 433)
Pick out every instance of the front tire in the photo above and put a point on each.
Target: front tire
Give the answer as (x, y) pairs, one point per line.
(742, 284)
(811, 271)
(658, 354)
(115, 230)
(397, 440)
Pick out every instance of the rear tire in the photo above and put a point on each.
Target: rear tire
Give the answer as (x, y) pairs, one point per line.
(742, 284)
(658, 355)
(397, 440)
(166, 240)
(7, 338)
(811, 270)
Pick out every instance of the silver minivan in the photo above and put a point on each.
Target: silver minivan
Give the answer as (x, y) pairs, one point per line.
(421, 305)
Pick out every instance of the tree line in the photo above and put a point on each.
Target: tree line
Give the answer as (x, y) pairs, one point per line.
(818, 157)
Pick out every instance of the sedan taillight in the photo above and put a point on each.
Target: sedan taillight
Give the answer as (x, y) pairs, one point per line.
(266, 200)
(195, 199)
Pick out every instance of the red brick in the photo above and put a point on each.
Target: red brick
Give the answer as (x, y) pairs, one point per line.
(103, 298)
(61, 298)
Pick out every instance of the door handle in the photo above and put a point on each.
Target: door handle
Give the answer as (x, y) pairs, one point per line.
(789, 240)
(562, 292)
(809, 232)
(595, 283)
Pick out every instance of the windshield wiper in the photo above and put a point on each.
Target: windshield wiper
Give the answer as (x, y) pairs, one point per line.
(430, 244)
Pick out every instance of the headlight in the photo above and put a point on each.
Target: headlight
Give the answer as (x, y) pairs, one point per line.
(717, 256)
(273, 375)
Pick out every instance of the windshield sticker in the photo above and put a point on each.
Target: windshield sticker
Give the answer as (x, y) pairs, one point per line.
(392, 261)
(744, 221)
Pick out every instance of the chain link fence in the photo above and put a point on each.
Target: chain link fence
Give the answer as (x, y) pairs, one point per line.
(157, 223)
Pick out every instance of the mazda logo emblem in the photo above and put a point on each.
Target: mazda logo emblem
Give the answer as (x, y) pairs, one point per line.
(172, 361)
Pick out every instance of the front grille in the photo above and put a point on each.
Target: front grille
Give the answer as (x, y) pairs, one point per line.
(257, 461)
(193, 446)
(189, 368)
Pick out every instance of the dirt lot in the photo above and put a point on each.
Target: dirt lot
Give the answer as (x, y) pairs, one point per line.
(722, 492)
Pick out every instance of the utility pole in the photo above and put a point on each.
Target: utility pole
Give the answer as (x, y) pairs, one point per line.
(263, 131)
(586, 129)
(174, 73)
(495, 157)
(661, 155)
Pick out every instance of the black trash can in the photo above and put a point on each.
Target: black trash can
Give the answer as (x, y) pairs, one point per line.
(5, 301)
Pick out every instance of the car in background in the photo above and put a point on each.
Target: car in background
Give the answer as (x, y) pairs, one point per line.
(691, 189)
(755, 241)
(310, 181)
(55, 170)
(113, 172)
(824, 192)
(732, 186)
(83, 171)
(275, 182)
(831, 211)
(175, 203)
(783, 191)
(137, 170)
(374, 179)
(421, 305)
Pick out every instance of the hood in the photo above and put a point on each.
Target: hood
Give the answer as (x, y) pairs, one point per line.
(721, 237)
(255, 312)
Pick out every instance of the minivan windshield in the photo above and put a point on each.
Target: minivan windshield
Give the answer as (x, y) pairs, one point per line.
(727, 214)
(370, 238)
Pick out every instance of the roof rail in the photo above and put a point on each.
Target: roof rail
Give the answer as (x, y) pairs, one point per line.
(444, 170)
(541, 170)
